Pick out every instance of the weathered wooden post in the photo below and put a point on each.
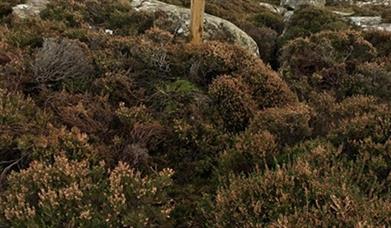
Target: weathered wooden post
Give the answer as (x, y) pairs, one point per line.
(197, 21)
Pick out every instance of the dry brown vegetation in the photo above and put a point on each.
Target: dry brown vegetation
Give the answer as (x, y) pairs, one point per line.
(142, 129)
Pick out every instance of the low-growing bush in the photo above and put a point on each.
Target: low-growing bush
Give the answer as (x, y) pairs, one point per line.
(326, 62)
(19, 118)
(245, 150)
(290, 124)
(176, 97)
(305, 56)
(233, 101)
(310, 20)
(375, 126)
(92, 115)
(61, 60)
(6, 7)
(373, 79)
(381, 40)
(266, 40)
(77, 193)
(300, 194)
(270, 20)
(250, 151)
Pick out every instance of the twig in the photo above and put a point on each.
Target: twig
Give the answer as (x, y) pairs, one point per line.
(6, 162)
(2, 176)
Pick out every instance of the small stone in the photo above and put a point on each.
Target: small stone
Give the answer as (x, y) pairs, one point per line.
(108, 31)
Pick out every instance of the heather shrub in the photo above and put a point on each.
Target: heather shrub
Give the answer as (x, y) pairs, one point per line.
(138, 134)
(373, 79)
(90, 114)
(321, 104)
(192, 148)
(28, 133)
(63, 12)
(234, 10)
(250, 151)
(300, 192)
(310, 20)
(267, 88)
(266, 40)
(27, 33)
(118, 87)
(133, 115)
(326, 62)
(364, 139)
(374, 125)
(61, 60)
(245, 151)
(214, 59)
(6, 7)
(328, 113)
(116, 15)
(381, 40)
(305, 56)
(270, 20)
(233, 101)
(174, 98)
(158, 63)
(77, 193)
(196, 148)
(290, 124)
(19, 117)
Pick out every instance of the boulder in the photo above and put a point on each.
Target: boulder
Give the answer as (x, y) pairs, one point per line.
(177, 20)
(32, 8)
(368, 23)
(294, 4)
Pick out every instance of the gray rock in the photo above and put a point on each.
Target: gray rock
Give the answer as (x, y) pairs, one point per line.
(365, 21)
(287, 16)
(373, 3)
(32, 8)
(294, 4)
(179, 20)
(368, 23)
(273, 8)
(343, 14)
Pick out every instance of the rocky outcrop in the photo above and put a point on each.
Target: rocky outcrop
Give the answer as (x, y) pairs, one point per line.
(32, 8)
(294, 4)
(361, 3)
(273, 8)
(371, 23)
(373, 3)
(177, 20)
(288, 7)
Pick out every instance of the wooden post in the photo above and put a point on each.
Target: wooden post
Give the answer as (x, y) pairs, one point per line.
(197, 21)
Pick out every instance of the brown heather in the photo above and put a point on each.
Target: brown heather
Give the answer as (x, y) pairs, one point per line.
(141, 129)
(69, 190)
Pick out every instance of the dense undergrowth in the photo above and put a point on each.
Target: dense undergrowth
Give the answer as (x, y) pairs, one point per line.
(142, 129)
